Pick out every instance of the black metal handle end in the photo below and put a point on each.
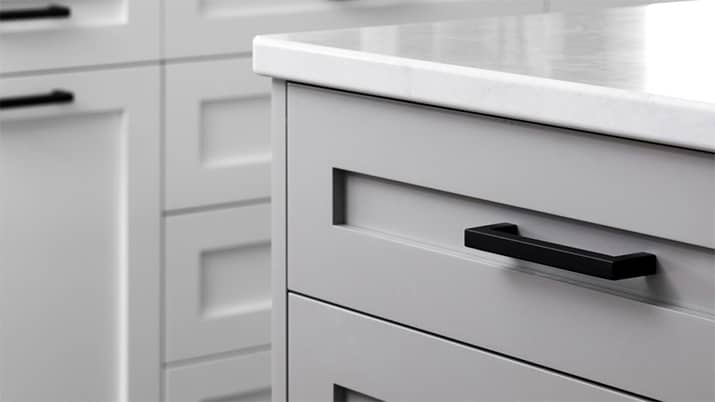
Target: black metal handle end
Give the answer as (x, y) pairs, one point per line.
(50, 11)
(504, 239)
(57, 96)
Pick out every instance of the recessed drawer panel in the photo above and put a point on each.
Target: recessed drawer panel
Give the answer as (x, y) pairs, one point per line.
(339, 355)
(234, 379)
(384, 203)
(217, 281)
(70, 33)
(217, 134)
(202, 27)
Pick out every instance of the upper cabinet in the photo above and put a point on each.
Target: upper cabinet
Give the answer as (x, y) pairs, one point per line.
(70, 33)
(206, 27)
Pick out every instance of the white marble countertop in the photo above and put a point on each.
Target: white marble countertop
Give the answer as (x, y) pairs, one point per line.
(646, 73)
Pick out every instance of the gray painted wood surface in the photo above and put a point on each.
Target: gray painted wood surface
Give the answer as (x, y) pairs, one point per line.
(335, 353)
(278, 242)
(400, 267)
(605, 180)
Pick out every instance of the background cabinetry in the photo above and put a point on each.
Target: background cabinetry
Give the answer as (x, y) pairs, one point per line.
(217, 147)
(89, 33)
(79, 239)
(217, 281)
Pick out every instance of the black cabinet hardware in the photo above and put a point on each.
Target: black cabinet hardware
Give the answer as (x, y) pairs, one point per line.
(54, 97)
(504, 239)
(51, 11)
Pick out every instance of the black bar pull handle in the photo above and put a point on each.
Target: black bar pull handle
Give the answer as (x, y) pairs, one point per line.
(504, 239)
(51, 11)
(57, 96)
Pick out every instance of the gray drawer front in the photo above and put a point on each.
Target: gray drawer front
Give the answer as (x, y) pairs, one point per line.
(338, 355)
(388, 240)
(651, 189)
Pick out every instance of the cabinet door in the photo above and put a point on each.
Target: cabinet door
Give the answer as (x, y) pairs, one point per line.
(77, 33)
(244, 378)
(79, 238)
(204, 27)
(338, 355)
(217, 281)
(217, 133)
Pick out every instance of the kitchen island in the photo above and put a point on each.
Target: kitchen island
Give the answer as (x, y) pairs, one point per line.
(509, 208)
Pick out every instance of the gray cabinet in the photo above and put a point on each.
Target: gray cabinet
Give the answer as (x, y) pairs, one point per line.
(339, 355)
(79, 239)
(217, 158)
(217, 282)
(82, 34)
(375, 216)
(210, 27)
(241, 378)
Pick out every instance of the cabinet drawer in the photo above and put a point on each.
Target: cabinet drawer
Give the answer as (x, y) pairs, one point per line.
(79, 236)
(338, 355)
(236, 379)
(384, 203)
(217, 281)
(217, 133)
(77, 33)
(202, 27)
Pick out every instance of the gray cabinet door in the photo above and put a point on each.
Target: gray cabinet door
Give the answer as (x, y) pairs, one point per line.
(79, 239)
(339, 355)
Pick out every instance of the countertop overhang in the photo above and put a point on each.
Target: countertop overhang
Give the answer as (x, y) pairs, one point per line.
(645, 73)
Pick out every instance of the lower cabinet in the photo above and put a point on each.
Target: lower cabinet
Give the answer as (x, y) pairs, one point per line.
(339, 355)
(236, 379)
(217, 133)
(79, 237)
(217, 270)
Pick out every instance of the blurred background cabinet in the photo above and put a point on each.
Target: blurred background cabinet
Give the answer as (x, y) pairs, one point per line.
(218, 149)
(37, 35)
(79, 237)
(217, 282)
(212, 27)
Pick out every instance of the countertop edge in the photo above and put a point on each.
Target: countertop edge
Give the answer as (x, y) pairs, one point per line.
(622, 113)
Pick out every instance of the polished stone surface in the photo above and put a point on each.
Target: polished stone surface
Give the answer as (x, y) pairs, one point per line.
(642, 72)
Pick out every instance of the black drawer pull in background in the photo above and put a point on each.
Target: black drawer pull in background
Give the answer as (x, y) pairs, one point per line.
(54, 97)
(504, 239)
(51, 11)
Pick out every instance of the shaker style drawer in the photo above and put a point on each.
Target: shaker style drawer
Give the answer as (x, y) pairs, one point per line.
(203, 27)
(217, 281)
(339, 355)
(217, 134)
(381, 193)
(70, 33)
(240, 379)
(79, 236)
